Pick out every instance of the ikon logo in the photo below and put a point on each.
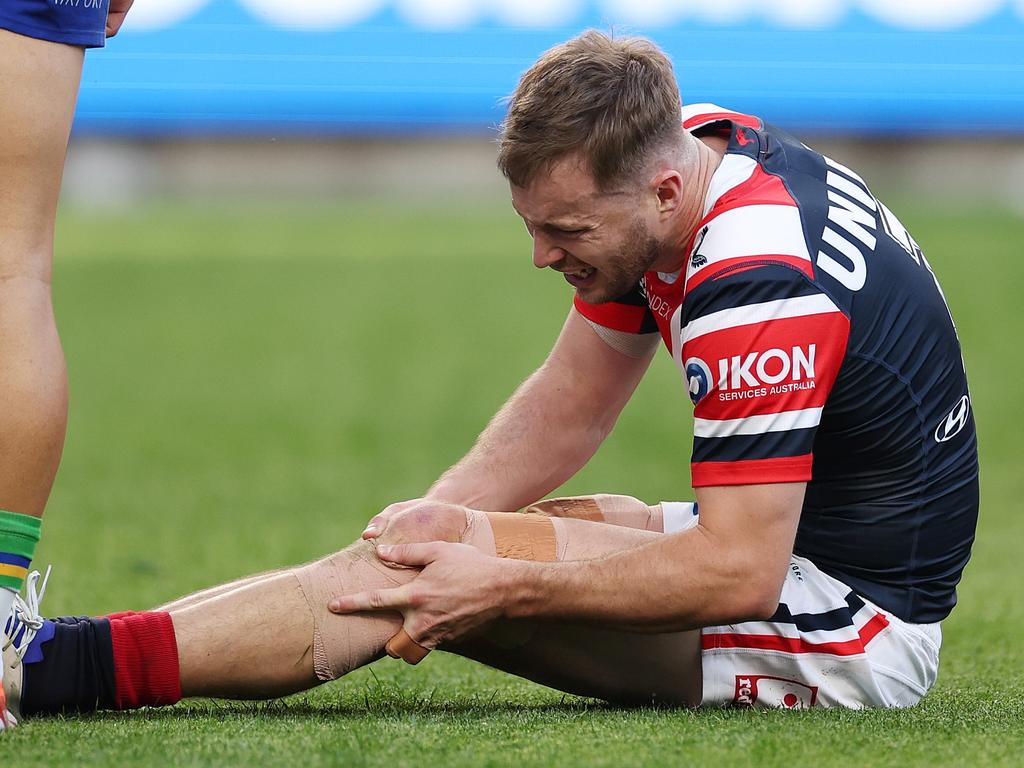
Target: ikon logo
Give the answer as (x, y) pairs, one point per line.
(954, 421)
(758, 368)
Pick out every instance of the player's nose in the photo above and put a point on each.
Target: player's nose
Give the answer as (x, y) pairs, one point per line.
(545, 254)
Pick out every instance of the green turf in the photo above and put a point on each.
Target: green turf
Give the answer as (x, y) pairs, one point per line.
(250, 384)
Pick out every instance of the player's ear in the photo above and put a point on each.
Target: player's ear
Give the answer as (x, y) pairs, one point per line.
(668, 187)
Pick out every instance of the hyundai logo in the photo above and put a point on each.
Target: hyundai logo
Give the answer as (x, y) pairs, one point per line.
(954, 421)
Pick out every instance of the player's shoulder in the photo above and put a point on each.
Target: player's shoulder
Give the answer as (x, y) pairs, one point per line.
(750, 219)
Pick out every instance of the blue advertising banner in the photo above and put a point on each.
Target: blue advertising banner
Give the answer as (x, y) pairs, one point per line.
(414, 66)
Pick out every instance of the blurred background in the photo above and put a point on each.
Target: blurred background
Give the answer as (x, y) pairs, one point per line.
(374, 97)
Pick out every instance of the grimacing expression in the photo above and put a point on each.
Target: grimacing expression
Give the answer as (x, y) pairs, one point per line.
(599, 241)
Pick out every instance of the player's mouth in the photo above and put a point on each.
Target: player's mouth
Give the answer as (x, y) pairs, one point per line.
(581, 278)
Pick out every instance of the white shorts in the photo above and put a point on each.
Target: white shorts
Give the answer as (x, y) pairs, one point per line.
(826, 647)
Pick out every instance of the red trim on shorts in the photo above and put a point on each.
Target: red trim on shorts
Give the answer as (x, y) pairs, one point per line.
(794, 645)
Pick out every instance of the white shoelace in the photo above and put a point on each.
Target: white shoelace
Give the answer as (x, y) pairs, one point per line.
(26, 620)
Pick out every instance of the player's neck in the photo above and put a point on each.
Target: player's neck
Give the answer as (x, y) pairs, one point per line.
(690, 214)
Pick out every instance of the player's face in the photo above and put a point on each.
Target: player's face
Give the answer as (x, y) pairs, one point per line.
(600, 241)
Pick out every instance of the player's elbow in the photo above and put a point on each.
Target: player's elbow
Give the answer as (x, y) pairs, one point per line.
(759, 603)
(754, 596)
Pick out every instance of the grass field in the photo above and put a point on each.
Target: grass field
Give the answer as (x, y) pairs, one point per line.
(250, 384)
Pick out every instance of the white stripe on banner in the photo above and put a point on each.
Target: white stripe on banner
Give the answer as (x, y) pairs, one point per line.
(756, 425)
(780, 309)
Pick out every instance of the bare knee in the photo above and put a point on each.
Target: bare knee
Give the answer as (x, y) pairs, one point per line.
(427, 521)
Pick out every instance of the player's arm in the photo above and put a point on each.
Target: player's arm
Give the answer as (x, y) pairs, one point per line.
(551, 425)
(729, 568)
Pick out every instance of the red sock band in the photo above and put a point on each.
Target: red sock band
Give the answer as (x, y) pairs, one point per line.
(145, 660)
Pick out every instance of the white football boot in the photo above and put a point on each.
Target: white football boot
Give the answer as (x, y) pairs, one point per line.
(25, 624)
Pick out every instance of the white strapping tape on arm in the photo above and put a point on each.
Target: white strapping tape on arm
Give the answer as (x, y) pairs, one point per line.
(679, 515)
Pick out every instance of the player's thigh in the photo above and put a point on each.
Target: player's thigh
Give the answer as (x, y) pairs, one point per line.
(38, 87)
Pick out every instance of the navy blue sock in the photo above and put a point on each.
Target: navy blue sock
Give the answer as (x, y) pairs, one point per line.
(69, 668)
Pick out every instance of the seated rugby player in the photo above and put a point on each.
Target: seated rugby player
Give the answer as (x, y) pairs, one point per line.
(834, 453)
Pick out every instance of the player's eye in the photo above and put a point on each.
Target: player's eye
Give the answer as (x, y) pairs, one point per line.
(570, 232)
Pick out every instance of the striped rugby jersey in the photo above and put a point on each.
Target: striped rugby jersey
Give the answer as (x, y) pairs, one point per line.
(816, 345)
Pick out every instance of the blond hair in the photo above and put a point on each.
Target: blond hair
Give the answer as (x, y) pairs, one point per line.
(612, 101)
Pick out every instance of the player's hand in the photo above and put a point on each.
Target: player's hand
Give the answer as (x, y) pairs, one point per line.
(380, 521)
(458, 591)
(115, 16)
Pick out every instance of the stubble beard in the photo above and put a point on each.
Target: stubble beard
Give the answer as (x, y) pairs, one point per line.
(638, 253)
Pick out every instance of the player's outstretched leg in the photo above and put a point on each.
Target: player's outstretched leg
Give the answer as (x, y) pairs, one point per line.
(38, 87)
(272, 635)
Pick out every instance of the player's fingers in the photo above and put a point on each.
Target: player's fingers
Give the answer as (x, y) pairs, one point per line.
(115, 16)
(375, 527)
(114, 22)
(412, 554)
(380, 521)
(372, 600)
(402, 646)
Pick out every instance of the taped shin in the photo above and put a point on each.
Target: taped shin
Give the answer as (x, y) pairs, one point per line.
(341, 644)
(626, 511)
(614, 509)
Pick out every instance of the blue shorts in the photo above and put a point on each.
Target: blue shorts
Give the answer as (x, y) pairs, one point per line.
(74, 22)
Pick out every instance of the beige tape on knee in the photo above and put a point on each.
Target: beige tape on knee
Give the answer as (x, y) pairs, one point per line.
(343, 643)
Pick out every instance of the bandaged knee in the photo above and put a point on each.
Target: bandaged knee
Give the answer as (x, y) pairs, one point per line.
(343, 643)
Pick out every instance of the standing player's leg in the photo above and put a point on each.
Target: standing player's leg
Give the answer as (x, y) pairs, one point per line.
(272, 635)
(38, 87)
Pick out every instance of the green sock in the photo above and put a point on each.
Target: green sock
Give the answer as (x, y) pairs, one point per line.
(19, 535)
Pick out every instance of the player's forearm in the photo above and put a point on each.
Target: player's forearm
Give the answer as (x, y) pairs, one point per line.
(675, 583)
(539, 439)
